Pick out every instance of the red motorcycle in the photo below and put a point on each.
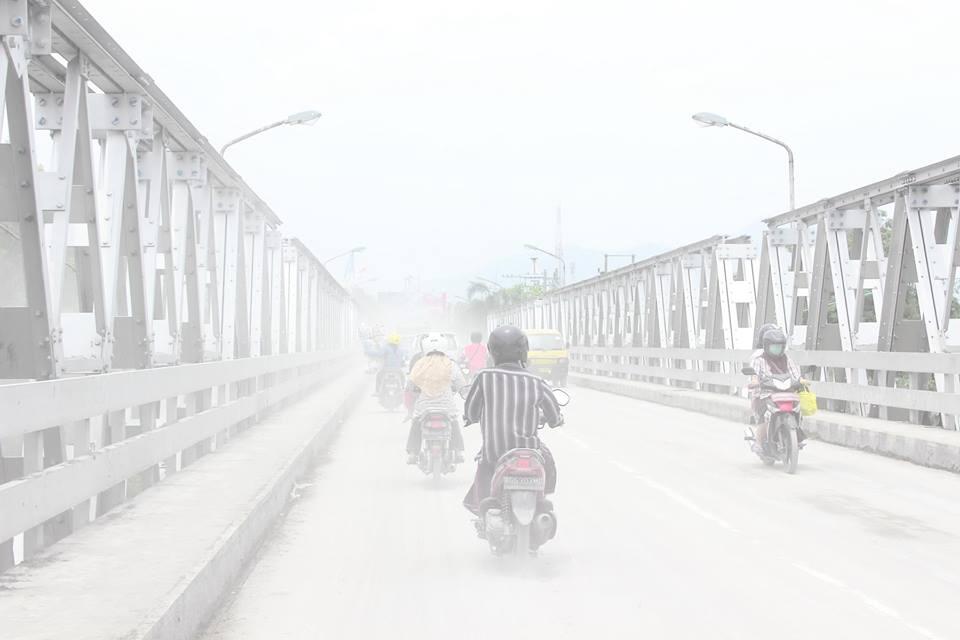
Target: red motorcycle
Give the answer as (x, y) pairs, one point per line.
(780, 395)
(436, 455)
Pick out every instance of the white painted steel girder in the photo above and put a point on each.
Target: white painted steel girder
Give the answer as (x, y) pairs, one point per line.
(140, 245)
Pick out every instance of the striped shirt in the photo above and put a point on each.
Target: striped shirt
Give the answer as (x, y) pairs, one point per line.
(509, 402)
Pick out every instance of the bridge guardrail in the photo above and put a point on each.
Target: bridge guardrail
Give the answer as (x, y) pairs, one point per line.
(835, 378)
(116, 434)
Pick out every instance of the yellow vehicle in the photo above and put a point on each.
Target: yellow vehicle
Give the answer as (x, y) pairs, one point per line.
(548, 357)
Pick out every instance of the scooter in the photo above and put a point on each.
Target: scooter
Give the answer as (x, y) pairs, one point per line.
(516, 517)
(436, 455)
(391, 390)
(781, 413)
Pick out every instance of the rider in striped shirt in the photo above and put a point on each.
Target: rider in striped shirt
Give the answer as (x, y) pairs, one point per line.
(509, 403)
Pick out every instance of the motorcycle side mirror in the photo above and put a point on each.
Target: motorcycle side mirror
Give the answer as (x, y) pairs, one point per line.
(563, 398)
(748, 371)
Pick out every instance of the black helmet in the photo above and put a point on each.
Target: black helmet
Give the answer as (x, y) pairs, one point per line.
(476, 337)
(774, 343)
(758, 341)
(508, 344)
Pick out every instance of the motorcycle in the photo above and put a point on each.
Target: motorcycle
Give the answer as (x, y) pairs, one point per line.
(517, 517)
(781, 412)
(391, 390)
(436, 454)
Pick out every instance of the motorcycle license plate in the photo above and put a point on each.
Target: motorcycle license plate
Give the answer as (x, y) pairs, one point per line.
(524, 483)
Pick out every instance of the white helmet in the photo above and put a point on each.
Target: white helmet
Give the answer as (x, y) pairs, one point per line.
(432, 343)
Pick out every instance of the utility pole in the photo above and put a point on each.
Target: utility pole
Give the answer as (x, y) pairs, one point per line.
(559, 248)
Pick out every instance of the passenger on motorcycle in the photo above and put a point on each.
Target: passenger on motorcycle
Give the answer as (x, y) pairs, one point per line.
(391, 358)
(475, 355)
(772, 359)
(510, 404)
(431, 389)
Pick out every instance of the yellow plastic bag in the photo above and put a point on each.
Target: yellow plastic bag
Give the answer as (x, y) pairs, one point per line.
(808, 402)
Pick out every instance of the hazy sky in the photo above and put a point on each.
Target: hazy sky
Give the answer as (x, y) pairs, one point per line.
(452, 129)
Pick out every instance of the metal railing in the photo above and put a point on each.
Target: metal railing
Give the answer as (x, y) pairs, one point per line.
(150, 306)
(89, 443)
(887, 385)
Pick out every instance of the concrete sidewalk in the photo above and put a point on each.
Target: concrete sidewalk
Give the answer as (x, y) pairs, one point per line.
(158, 566)
(930, 447)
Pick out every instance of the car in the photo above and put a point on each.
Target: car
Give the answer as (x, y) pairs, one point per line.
(549, 356)
(450, 347)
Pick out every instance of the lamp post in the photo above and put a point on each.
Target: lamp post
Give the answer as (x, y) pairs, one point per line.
(304, 117)
(489, 281)
(563, 264)
(713, 120)
(607, 256)
(345, 253)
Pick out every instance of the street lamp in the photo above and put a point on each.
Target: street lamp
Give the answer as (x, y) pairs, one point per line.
(713, 120)
(345, 253)
(489, 281)
(607, 256)
(563, 264)
(304, 117)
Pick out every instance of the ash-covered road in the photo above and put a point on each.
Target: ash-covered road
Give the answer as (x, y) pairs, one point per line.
(669, 528)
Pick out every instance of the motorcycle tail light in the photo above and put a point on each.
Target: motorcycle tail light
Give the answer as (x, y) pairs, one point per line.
(785, 406)
(522, 463)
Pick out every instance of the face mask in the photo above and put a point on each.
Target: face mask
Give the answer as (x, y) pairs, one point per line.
(776, 349)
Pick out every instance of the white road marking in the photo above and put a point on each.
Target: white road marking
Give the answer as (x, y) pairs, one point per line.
(872, 603)
(623, 467)
(682, 500)
(577, 441)
(686, 502)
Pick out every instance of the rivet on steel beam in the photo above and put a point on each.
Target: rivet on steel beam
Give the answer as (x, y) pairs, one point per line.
(114, 101)
(16, 21)
(42, 102)
(60, 102)
(115, 121)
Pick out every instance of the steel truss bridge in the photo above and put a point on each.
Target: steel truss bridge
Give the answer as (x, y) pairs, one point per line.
(171, 365)
(865, 284)
(144, 282)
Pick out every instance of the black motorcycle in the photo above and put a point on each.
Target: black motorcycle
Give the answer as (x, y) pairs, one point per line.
(391, 390)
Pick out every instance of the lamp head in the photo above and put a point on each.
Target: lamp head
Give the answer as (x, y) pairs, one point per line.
(304, 117)
(710, 119)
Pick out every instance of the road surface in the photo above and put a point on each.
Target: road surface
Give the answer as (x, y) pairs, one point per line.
(669, 528)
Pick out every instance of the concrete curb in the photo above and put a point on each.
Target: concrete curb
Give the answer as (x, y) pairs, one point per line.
(196, 600)
(927, 447)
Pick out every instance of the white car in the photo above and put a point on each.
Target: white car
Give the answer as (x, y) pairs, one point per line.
(450, 347)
